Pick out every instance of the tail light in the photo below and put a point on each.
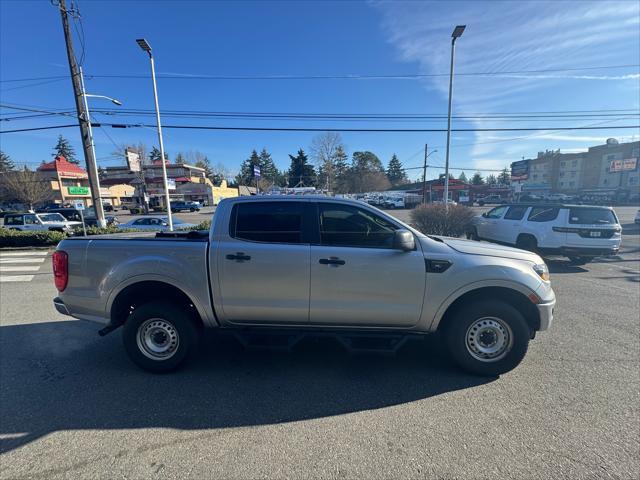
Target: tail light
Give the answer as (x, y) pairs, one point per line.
(60, 262)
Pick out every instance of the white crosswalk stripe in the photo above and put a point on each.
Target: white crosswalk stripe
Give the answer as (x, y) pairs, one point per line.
(23, 254)
(22, 266)
(21, 260)
(18, 268)
(16, 278)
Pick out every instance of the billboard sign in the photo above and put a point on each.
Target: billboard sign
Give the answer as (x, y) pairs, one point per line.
(78, 190)
(626, 165)
(133, 160)
(520, 170)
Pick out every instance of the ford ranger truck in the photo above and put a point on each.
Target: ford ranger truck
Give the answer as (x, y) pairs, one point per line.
(311, 265)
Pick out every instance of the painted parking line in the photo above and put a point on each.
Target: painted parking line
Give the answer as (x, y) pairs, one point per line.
(15, 278)
(23, 254)
(18, 268)
(21, 260)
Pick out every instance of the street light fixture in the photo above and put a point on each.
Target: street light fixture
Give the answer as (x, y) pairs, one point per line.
(144, 45)
(97, 197)
(457, 33)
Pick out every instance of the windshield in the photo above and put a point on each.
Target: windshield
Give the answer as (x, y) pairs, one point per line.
(51, 217)
(592, 216)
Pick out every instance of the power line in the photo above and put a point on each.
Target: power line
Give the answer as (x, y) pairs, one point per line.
(304, 129)
(355, 76)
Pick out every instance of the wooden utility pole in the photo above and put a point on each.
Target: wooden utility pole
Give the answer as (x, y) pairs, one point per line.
(92, 168)
(424, 176)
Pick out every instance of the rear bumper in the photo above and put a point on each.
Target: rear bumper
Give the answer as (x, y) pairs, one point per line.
(60, 306)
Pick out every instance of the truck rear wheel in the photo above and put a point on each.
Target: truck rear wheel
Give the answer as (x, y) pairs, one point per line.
(488, 338)
(159, 336)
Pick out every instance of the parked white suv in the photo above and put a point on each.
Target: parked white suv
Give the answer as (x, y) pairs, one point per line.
(38, 222)
(578, 232)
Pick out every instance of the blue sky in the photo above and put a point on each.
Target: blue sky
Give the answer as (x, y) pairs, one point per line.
(323, 39)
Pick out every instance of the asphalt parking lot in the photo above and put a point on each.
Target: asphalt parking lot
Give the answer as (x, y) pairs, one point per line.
(72, 405)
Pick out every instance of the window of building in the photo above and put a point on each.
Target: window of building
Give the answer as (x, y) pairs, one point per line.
(347, 226)
(535, 176)
(270, 222)
(562, 164)
(574, 163)
(562, 184)
(572, 184)
(562, 174)
(573, 174)
(605, 181)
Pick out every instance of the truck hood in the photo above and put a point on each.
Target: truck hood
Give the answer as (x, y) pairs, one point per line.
(473, 247)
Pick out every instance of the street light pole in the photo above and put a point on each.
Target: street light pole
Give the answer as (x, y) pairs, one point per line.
(99, 209)
(144, 45)
(457, 32)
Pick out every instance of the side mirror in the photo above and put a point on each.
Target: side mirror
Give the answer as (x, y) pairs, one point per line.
(403, 240)
(484, 215)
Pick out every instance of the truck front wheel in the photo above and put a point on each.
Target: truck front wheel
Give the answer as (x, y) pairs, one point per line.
(487, 338)
(159, 336)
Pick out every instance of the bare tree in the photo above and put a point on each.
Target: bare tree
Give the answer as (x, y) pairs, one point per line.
(323, 152)
(26, 186)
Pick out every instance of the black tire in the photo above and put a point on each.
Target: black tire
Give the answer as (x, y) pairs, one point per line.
(472, 234)
(481, 204)
(192, 209)
(507, 317)
(579, 260)
(527, 242)
(172, 324)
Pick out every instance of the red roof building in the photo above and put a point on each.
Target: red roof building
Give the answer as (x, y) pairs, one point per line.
(63, 168)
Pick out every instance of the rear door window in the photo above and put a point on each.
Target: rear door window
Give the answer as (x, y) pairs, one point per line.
(13, 220)
(592, 216)
(516, 212)
(543, 214)
(30, 220)
(268, 222)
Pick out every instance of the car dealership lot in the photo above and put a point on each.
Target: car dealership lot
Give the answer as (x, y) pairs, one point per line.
(72, 404)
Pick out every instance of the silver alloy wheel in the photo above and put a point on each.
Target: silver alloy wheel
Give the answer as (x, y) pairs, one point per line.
(489, 339)
(158, 339)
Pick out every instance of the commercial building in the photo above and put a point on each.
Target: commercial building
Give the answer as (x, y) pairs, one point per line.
(606, 172)
(69, 183)
(186, 182)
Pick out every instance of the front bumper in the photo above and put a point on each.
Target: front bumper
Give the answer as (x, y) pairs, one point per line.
(545, 311)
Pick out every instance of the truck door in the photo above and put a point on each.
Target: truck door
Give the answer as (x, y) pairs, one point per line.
(357, 278)
(263, 264)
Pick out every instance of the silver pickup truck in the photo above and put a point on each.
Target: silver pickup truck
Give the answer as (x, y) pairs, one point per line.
(309, 265)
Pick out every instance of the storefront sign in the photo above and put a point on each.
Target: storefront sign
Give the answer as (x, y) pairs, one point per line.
(520, 170)
(78, 190)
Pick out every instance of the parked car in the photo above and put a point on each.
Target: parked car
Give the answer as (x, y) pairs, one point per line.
(558, 197)
(491, 200)
(90, 219)
(299, 266)
(576, 231)
(38, 222)
(156, 223)
(530, 198)
(182, 206)
(637, 219)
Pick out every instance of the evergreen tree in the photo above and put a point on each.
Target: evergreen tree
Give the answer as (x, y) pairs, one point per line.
(341, 171)
(395, 173)
(203, 163)
(366, 162)
(180, 160)
(155, 155)
(504, 177)
(463, 177)
(6, 164)
(477, 179)
(64, 149)
(491, 179)
(268, 169)
(301, 172)
(367, 173)
(245, 177)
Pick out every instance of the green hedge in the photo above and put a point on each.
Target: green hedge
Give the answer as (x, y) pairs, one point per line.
(14, 238)
(206, 225)
(102, 231)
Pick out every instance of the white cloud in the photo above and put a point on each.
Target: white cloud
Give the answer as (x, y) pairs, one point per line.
(520, 36)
